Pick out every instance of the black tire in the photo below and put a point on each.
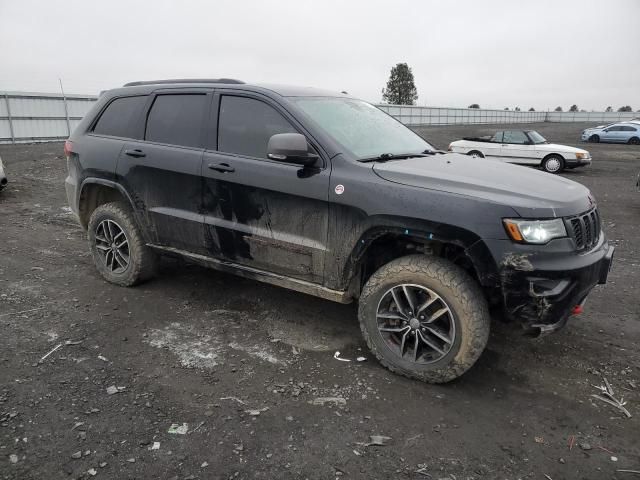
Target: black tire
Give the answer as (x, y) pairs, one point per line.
(467, 305)
(553, 164)
(142, 261)
(634, 141)
(475, 153)
(594, 138)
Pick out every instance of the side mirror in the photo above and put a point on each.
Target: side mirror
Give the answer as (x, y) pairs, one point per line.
(292, 148)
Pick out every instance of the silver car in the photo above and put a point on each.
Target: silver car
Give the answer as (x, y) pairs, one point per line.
(621, 132)
(3, 177)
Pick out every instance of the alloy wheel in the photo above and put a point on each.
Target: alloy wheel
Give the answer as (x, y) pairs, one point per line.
(416, 323)
(112, 245)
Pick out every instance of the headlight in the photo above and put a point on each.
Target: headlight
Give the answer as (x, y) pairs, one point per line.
(535, 231)
(582, 155)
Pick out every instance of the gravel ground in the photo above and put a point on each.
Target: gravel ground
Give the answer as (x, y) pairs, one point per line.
(243, 365)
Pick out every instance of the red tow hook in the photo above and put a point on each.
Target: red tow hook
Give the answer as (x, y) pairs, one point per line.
(577, 310)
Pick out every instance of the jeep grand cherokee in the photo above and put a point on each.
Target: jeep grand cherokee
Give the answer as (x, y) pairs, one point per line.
(325, 194)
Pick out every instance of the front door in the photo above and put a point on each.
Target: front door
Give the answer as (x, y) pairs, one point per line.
(611, 134)
(258, 212)
(162, 172)
(515, 148)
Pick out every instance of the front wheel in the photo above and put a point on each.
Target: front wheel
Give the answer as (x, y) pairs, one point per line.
(475, 154)
(594, 138)
(553, 164)
(119, 251)
(425, 318)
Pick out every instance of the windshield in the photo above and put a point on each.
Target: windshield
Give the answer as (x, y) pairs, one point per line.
(364, 130)
(536, 137)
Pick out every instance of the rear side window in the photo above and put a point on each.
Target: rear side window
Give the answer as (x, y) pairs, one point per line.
(118, 119)
(629, 129)
(245, 126)
(177, 119)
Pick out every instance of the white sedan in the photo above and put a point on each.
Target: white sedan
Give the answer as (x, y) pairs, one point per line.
(524, 147)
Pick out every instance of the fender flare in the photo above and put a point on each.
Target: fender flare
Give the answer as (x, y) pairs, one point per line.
(473, 246)
(139, 218)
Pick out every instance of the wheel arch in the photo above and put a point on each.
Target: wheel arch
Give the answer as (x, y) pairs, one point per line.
(381, 245)
(98, 191)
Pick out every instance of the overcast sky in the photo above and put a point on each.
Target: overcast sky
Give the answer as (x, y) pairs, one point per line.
(498, 53)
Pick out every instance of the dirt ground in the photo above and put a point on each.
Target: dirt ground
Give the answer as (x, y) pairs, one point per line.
(243, 364)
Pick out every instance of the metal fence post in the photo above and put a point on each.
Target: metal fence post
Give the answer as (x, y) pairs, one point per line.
(13, 137)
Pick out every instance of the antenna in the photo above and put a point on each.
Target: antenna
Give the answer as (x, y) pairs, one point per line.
(66, 109)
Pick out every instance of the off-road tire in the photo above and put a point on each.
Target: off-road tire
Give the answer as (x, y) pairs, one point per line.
(143, 261)
(548, 161)
(457, 288)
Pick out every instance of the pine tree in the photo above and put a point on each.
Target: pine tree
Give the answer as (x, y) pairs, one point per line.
(401, 90)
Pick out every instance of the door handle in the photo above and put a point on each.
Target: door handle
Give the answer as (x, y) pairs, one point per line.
(137, 153)
(222, 167)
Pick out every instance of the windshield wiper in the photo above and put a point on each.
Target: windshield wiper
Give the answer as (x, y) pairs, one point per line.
(395, 156)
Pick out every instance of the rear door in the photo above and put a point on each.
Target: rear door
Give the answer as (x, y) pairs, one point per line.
(162, 172)
(258, 212)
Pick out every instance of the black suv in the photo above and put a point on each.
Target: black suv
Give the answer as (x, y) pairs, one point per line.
(327, 195)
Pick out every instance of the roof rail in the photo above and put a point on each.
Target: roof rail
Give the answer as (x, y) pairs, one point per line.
(184, 80)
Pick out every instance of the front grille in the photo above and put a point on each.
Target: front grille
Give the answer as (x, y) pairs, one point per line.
(585, 229)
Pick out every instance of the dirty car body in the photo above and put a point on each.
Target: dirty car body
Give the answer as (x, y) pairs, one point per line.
(325, 226)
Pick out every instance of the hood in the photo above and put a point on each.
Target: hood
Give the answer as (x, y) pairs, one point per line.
(554, 147)
(531, 193)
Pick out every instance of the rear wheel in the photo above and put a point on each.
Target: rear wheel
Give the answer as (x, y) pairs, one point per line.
(119, 251)
(634, 141)
(594, 138)
(425, 318)
(475, 154)
(553, 164)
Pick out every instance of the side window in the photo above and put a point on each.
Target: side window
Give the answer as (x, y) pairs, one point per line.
(515, 136)
(245, 126)
(177, 119)
(118, 118)
(497, 138)
(629, 129)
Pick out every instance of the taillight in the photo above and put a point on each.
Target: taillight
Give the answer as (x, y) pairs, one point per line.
(68, 148)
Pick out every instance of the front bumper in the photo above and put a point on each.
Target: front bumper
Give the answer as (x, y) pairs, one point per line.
(540, 287)
(577, 162)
